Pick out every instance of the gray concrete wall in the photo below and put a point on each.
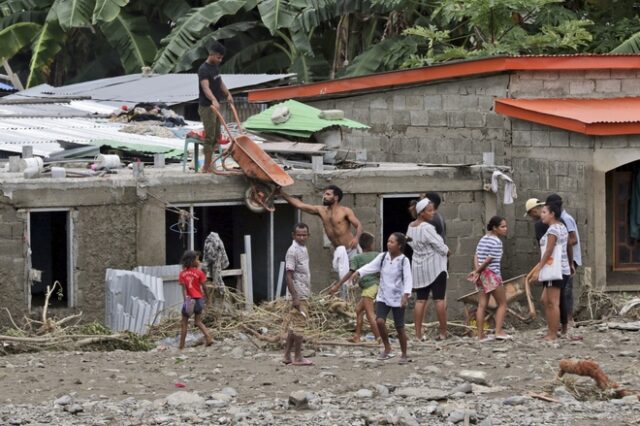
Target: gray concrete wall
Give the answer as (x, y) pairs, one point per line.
(451, 122)
(12, 263)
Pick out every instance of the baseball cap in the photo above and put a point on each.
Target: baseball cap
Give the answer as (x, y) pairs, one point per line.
(531, 203)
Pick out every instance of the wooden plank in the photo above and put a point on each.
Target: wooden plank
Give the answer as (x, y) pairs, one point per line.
(231, 272)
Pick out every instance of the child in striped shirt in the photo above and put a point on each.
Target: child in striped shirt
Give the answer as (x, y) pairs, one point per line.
(487, 277)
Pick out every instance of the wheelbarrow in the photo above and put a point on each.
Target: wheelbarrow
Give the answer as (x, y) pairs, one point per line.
(515, 288)
(263, 174)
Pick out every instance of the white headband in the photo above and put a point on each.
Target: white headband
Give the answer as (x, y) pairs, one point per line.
(422, 204)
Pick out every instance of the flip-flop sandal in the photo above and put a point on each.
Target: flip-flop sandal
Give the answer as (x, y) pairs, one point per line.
(383, 356)
(305, 362)
(404, 360)
(505, 337)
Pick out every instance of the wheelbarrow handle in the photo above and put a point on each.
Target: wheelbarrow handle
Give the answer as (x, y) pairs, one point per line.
(237, 118)
(224, 123)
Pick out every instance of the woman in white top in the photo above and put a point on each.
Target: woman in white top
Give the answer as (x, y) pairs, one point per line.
(428, 267)
(556, 234)
(394, 291)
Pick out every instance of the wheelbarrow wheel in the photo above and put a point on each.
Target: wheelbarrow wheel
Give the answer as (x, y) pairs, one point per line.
(258, 198)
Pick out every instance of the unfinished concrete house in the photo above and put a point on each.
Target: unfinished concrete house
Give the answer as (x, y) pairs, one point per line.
(564, 124)
(440, 128)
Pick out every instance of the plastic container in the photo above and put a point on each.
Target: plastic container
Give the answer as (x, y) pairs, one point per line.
(107, 161)
(33, 162)
(31, 172)
(58, 172)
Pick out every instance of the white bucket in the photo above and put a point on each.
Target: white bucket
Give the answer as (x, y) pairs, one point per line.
(106, 161)
(58, 172)
(33, 162)
(31, 172)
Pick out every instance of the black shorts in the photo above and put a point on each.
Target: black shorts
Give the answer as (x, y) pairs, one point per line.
(438, 288)
(557, 283)
(198, 307)
(382, 311)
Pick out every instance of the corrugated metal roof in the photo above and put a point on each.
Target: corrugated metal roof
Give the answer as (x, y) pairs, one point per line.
(49, 135)
(132, 89)
(69, 109)
(612, 116)
(444, 71)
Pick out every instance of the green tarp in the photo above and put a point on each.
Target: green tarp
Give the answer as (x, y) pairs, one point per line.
(141, 148)
(303, 123)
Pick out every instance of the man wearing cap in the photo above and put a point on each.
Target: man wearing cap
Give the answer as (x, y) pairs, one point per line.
(533, 207)
(211, 91)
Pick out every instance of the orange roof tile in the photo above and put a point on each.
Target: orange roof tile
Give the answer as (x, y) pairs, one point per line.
(445, 71)
(613, 116)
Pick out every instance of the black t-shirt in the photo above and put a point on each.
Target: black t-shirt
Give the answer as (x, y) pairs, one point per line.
(441, 227)
(211, 73)
(540, 229)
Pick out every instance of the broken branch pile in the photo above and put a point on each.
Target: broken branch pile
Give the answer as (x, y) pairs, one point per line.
(328, 318)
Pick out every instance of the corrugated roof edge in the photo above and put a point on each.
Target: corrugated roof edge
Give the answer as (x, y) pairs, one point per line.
(448, 70)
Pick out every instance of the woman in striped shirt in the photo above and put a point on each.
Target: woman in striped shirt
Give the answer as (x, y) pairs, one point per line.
(428, 267)
(488, 278)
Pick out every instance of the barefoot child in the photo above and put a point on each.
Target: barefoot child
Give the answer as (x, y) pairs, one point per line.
(368, 284)
(487, 277)
(192, 280)
(299, 286)
(395, 288)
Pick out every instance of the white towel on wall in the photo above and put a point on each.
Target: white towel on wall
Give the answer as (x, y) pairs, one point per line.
(509, 186)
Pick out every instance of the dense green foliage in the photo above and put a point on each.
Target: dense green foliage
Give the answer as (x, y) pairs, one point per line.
(62, 41)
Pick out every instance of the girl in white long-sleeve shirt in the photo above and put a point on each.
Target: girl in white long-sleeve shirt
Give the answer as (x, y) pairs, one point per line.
(393, 294)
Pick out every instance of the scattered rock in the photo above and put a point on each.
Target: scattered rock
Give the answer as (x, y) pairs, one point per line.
(299, 399)
(364, 394)
(515, 400)
(230, 392)
(74, 408)
(237, 352)
(181, 398)
(456, 416)
(474, 376)
(464, 388)
(63, 400)
(382, 390)
(563, 395)
(422, 393)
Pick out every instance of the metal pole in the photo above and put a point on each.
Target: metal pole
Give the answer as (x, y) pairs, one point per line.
(249, 273)
(279, 283)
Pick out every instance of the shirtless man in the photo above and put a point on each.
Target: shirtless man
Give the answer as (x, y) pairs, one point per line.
(337, 221)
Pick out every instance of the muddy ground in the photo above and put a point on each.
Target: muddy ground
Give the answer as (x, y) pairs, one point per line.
(237, 381)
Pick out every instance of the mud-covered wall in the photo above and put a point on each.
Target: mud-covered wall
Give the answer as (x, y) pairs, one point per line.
(105, 237)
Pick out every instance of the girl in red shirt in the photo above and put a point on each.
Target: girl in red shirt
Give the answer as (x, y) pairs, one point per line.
(192, 280)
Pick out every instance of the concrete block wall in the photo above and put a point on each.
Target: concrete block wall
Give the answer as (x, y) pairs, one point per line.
(12, 265)
(449, 122)
(575, 84)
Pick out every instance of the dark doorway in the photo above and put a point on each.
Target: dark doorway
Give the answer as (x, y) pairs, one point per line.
(232, 223)
(395, 218)
(49, 237)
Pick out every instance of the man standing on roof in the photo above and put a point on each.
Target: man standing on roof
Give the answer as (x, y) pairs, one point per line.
(211, 91)
(337, 221)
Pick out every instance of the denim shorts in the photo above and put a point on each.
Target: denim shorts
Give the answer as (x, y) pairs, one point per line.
(198, 307)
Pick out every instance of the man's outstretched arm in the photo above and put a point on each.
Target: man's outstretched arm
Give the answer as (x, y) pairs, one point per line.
(298, 204)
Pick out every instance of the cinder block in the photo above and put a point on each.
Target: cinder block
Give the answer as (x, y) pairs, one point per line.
(474, 119)
(561, 168)
(520, 124)
(379, 116)
(540, 139)
(526, 88)
(545, 75)
(414, 102)
(459, 102)
(523, 138)
(437, 118)
(567, 183)
(455, 119)
(432, 102)
(399, 102)
(630, 87)
(378, 103)
(559, 139)
(555, 88)
(459, 228)
(608, 86)
(578, 140)
(401, 118)
(362, 115)
(470, 211)
(572, 75)
(582, 87)
(419, 118)
(11, 248)
(623, 74)
(597, 74)
(608, 142)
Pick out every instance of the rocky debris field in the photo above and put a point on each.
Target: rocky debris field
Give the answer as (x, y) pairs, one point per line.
(238, 381)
